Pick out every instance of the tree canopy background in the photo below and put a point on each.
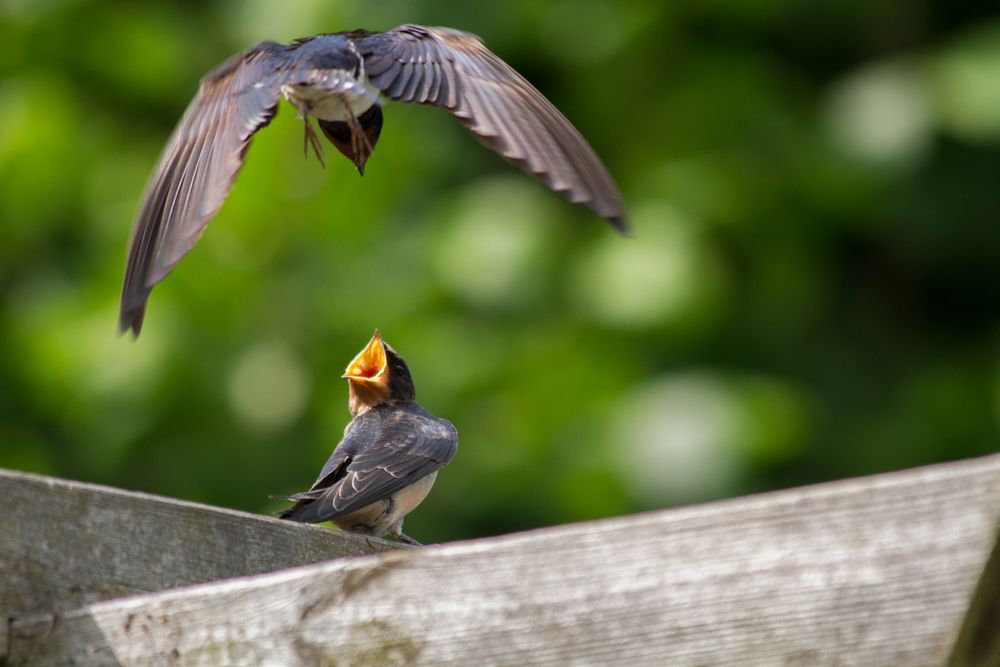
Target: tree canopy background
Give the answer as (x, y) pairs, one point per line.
(812, 291)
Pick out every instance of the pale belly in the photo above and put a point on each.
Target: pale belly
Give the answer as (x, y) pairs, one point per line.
(334, 105)
(376, 518)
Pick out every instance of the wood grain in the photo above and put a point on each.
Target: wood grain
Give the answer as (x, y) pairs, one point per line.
(978, 643)
(66, 544)
(870, 571)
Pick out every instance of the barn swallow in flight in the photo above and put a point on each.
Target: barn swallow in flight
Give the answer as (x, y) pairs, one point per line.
(389, 457)
(341, 80)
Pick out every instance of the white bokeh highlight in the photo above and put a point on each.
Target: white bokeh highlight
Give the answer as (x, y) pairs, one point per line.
(268, 386)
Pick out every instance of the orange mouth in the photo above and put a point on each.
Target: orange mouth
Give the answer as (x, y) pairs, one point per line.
(370, 364)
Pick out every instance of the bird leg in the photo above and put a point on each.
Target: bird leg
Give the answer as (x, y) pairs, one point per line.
(396, 531)
(359, 141)
(312, 140)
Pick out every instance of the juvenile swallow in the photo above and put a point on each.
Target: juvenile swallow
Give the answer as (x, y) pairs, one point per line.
(389, 457)
(341, 80)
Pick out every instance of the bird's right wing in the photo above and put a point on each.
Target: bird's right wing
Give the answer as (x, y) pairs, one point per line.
(197, 168)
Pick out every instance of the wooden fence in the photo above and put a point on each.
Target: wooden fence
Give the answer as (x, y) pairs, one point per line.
(869, 571)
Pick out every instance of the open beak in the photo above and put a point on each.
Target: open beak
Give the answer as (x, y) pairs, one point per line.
(370, 364)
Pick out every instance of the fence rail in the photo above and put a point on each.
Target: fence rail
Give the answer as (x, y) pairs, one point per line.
(66, 544)
(869, 571)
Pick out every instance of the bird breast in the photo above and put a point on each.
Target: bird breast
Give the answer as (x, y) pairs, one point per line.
(334, 103)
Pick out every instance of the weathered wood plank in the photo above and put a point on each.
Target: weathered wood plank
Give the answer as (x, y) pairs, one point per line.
(978, 643)
(66, 544)
(871, 571)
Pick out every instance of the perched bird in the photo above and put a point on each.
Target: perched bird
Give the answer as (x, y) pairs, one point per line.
(341, 79)
(389, 457)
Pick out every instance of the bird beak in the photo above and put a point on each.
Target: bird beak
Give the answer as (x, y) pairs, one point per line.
(370, 364)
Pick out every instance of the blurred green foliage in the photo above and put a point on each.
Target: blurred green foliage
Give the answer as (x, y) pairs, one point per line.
(812, 292)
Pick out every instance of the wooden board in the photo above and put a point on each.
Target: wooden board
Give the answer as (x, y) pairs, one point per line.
(66, 544)
(978, 643)
(869, 571)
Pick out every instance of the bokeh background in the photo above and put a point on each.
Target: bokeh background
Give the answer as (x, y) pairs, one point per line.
(812, 291)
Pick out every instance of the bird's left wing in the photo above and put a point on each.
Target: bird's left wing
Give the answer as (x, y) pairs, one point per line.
(453, 69)
(405, 446)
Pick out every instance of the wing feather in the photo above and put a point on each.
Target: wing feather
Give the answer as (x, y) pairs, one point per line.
(453, 69)
(383, 451)
(197, 168)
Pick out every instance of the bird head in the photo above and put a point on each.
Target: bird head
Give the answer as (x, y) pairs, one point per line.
(378, 375)
(356, 146)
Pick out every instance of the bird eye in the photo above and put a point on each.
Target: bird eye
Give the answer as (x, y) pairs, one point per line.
(399, 368)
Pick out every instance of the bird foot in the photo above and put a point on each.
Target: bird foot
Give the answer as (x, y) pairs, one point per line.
(312, 140)
(360, 146)
(396, 531)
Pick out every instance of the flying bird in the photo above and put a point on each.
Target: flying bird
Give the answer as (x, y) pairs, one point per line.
(341, 80)
(389, 457)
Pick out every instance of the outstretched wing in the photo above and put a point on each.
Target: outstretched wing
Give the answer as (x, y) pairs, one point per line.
(389, 450)
(197, 168)
(454, 70)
